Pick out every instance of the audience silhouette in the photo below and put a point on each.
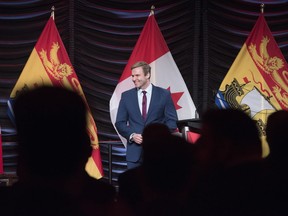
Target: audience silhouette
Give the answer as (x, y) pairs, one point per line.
(160, 185)
(229, 164)
(53, 149)
(229, 137)
(276, 186)
(223, 173)
(277, 127)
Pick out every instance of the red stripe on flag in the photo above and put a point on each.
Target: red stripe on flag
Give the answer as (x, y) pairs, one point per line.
(57, 65)
(54, 56)
(269, 59)
(147, 48)
(97, 159)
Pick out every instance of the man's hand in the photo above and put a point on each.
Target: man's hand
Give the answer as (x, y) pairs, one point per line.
(137, 138)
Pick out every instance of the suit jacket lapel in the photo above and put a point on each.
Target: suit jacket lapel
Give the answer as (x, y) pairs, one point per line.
(135, 103)
(153, 101)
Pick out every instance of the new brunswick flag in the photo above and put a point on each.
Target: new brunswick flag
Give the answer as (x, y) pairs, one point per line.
(50, 65)
(257, 81)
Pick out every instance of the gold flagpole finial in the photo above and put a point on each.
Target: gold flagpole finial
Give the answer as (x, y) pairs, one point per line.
(262, 7)
(152, 10)
(52, 12)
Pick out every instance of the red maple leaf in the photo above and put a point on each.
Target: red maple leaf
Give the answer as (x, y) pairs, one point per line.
(176, 97)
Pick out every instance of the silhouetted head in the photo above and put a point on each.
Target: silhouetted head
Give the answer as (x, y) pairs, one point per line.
(51, 126)
(229, 136)
(276, 134)
(167, 159)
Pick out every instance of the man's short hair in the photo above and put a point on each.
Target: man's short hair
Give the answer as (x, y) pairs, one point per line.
(146, 67)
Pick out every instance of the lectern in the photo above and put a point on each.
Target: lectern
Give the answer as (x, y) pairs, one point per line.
(190, 129)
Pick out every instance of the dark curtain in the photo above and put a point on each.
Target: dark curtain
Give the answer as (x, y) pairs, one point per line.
(204, 37)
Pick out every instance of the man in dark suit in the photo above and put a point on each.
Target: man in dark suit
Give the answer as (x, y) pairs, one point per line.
(138, 109)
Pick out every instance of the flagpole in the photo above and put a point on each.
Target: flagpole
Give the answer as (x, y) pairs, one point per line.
(262, 8)
(152, 10)
(52, 12)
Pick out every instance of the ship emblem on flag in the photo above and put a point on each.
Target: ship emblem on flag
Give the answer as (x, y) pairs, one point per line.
(257, 81)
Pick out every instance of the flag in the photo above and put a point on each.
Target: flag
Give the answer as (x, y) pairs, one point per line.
(257, 80)
(152, 48)
(1, 154)
(50, 65)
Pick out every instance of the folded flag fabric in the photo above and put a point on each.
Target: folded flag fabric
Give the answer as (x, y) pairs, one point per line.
(257, 81)
(49, 64)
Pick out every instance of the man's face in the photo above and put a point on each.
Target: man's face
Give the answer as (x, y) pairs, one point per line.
(140, 80)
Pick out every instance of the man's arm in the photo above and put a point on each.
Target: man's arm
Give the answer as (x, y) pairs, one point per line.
(170, 114)
(122, 119)
(126, 112)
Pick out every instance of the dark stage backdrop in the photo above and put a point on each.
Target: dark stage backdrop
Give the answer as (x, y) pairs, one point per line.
(204, 38)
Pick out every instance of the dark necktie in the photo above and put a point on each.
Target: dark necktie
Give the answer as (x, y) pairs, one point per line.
(144, 105)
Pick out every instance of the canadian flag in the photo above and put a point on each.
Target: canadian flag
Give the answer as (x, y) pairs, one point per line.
(152, 48)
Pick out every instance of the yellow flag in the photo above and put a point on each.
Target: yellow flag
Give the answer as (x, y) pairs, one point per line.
(257, 81)
(50, 65)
